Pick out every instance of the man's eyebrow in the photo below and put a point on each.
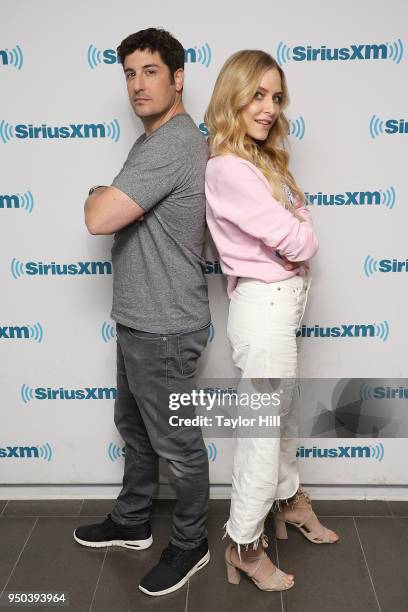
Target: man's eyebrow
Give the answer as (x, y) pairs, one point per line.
(145, 66)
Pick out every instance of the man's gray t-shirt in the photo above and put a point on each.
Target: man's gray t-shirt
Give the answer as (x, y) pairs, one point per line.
(158, 267)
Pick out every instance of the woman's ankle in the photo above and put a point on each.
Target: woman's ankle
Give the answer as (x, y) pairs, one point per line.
(248, 553)
(299, 498)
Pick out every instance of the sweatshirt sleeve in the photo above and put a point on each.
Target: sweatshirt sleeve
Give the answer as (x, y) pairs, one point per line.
(238, 195)
(303, 210)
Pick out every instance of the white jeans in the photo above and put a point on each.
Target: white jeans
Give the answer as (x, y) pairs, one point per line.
(262, 323)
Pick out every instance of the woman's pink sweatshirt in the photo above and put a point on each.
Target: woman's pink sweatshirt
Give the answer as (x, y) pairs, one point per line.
(248, 225)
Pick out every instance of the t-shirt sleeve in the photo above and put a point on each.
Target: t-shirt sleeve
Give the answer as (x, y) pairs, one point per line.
(240, 196)
(153, 171)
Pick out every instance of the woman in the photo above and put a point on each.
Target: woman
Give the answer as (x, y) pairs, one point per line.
(264, 236)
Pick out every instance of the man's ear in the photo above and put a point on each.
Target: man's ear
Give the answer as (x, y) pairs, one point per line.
(179, 80)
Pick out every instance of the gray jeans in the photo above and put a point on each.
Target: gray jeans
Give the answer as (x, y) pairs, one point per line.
(149, 368)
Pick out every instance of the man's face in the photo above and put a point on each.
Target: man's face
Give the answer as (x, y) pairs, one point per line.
(150, 88)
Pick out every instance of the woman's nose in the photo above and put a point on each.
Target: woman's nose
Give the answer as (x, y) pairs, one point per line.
(270, 106)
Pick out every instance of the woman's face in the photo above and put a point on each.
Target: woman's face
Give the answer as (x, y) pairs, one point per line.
(260, 114)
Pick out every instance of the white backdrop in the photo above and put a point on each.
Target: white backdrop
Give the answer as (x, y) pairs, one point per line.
(348, 137)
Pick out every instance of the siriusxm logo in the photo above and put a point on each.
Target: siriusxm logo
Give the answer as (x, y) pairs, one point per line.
(16, 200)
(36, 451)
(297, 128)
(351, 330)
(343, 452)
(115, 452)
(379, 197)
(12, 57)
(193, 55)
(369, 393)
(79, 268)
(392, 51)
(204, 129)
(23, 131)
(372, 265)
(27, 394)
(198, 55)
(108, 332)
(24, 332)
(390, 126)
(212, 267)
(212, 452)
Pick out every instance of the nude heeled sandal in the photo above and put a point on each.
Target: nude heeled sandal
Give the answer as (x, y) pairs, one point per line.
(318, 536)
(274, 582)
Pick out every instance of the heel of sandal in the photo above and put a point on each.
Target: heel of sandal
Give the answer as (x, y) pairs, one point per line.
(233, 575)
(280, 529)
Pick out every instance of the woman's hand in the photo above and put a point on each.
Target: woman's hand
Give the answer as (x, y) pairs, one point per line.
(292, 265)
(298, 216)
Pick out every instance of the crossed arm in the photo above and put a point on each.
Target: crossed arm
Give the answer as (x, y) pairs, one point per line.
(108, 209)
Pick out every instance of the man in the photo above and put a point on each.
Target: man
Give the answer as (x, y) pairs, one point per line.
(156, 208)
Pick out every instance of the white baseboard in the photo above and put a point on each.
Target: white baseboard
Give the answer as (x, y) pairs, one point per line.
(333, 492)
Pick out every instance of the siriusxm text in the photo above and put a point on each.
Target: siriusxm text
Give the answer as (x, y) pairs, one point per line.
(396, 126)
(323, 53)
(340, 331)
(80, 268)
(9, 201)
(348, 198)
(109, 56)
(78, 130)
(349, 452)
(393, 265)
(87, 393)
(20, 452)
(14, 331)
(212, 267)
(390, 393)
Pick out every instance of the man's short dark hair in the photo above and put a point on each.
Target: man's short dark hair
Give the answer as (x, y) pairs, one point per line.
(154, 39)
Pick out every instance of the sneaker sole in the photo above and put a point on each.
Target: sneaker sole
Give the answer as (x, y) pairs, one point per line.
(132, 544)
(202, 563)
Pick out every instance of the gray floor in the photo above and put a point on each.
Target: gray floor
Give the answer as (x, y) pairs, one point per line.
(366, 571)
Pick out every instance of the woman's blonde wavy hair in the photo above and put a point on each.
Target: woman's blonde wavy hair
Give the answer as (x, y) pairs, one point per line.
(234, 89)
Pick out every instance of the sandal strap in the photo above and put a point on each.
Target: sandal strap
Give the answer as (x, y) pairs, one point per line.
(307, 518)
(275, 579)
(318, 535)
(258, 565)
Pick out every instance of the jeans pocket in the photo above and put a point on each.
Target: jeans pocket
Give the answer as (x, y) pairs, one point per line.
(142, 335)
(190, 347)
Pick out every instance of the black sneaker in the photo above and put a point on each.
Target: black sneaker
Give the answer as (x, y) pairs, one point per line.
(175, 567)
(110, 533)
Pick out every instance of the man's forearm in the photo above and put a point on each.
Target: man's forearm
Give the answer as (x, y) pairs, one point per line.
(91, 197)
(108, 210)
(90, 204)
